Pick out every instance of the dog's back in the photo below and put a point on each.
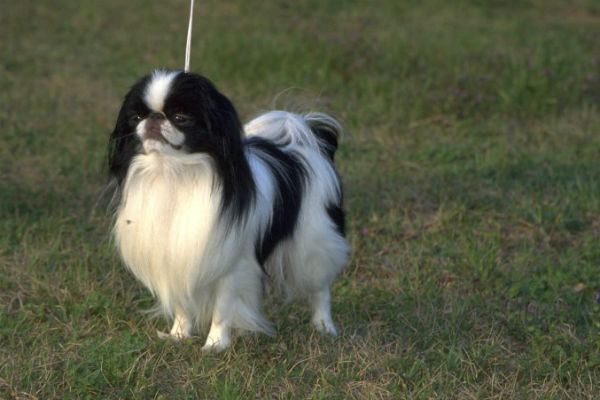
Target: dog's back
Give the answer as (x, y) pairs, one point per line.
(309, 256)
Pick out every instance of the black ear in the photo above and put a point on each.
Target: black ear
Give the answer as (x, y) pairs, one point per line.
(124, 144)
(218, 130)
(122, 147)
(226, 125)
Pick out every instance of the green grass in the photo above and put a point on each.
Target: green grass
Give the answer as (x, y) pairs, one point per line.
(471, 169)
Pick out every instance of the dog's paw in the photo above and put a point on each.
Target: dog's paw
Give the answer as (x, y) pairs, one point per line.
(163, 335)
(169, 336)
(215, 345)
(325, 326)
(218, 338)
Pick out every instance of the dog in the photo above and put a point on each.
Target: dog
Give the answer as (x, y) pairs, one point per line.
(209, 211)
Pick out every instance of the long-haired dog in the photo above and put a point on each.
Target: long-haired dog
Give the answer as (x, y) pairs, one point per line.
(209, 210)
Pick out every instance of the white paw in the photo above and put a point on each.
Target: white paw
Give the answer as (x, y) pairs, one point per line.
(181, 327)
(215, 345)
(321, 318)
(170, 336)
(325, 326)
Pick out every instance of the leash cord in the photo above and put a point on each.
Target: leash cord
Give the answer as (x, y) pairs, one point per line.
(188, 45)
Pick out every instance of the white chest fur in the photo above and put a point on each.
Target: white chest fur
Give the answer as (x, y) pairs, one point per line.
(166, 224)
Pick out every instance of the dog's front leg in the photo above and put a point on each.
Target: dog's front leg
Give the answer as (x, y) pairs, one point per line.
(237, 304)
(182, 327)
(219, 335)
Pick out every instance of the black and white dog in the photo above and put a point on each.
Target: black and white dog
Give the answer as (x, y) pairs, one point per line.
(209, 209)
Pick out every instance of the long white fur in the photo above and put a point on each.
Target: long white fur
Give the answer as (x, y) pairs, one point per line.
(170, 236)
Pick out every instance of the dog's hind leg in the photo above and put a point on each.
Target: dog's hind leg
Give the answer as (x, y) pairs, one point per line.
(321, 312)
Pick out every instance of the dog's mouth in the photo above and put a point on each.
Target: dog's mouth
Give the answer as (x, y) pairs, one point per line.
(165, 141)
(153, 131)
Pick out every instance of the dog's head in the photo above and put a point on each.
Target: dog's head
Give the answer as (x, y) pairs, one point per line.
(173, 113)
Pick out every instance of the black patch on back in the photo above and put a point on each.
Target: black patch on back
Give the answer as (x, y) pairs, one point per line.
(290, 176)
(338, 216)
(327, 137)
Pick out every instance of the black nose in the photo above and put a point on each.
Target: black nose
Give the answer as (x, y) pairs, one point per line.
(156, 116)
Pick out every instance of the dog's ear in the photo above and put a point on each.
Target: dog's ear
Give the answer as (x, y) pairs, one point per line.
(218, 129)
(121, 146)
(124, 143)
(226, 124)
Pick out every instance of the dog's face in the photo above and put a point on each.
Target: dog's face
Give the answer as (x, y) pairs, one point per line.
(173, 113)
(158, 119)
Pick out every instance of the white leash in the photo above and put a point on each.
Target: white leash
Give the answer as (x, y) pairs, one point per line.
(189, 39)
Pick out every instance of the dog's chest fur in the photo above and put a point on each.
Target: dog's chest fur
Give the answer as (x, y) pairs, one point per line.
(166, 223)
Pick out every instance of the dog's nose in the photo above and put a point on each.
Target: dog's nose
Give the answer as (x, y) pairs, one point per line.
(156, 116)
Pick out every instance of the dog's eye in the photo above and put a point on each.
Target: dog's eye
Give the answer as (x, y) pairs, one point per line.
(182, 119)
(136, 119)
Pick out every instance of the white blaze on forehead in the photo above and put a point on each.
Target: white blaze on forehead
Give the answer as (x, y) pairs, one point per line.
(158, 89)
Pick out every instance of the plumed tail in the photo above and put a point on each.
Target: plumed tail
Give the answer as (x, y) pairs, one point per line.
(288, 130)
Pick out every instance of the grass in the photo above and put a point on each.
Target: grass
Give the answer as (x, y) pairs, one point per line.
(471, 171)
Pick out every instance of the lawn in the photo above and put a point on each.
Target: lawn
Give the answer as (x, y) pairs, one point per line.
(471, 166)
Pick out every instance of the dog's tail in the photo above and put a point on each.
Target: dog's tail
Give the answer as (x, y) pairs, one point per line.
(314, 130)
